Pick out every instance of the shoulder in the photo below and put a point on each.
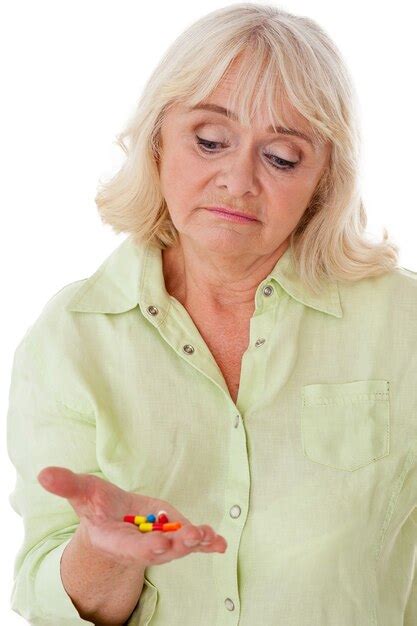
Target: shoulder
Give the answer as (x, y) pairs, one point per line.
(398, 282)
(52, 360)
(54, 315)
(406, 276)
(391, 296)
(53, 337)
(399, 285)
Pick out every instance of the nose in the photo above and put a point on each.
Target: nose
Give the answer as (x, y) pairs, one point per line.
(238, 173)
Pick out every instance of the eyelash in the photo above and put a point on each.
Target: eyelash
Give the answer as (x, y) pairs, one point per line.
(289, 165)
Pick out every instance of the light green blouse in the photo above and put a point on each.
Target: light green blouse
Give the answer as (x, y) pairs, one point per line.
(311, 476)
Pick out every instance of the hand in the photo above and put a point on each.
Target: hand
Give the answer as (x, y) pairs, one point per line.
(101, 505)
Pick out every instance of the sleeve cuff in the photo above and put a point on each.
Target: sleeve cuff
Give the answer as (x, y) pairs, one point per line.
(146, 606)
(57, 606)
(50, 592)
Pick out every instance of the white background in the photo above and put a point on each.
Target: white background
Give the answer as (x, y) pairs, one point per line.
(71, 75)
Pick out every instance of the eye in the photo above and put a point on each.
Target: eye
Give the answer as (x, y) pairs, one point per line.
(286, 165)
(205, 144)
(281, 164)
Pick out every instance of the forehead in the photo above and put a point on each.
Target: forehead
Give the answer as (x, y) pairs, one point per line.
(227, 86)
(284, 119)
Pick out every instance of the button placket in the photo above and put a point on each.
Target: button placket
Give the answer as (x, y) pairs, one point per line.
(267, 290)
(237, 488)
(235, 511)
(153, 310)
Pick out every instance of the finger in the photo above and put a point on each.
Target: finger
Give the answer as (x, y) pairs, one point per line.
(61, 481)
(207, 534)
(185, 540)
(211, 541)
(219, 544)
(180, 550)
(162, 547)
(158, 548)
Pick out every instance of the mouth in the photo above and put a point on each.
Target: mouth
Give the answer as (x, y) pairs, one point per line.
(229, 213)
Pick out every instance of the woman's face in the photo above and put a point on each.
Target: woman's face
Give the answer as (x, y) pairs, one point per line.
(210, 160)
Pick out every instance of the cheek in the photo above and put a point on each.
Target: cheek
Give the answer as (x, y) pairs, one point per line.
(183, 181)
(181, 173)
(287, 201)
(296, 191)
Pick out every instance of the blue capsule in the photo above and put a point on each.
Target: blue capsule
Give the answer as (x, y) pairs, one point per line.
(151, 518)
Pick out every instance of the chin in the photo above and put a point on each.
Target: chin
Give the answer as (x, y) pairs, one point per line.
(223, 240)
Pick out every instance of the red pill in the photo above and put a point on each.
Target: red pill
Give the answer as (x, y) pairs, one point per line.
(157, 526)
(163, 519)
(129, 518)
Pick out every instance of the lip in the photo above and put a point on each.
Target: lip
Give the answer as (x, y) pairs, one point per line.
(229, 211)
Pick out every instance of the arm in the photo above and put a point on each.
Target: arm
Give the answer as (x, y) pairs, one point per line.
(410, 616)
(41, 432)
(101, 589)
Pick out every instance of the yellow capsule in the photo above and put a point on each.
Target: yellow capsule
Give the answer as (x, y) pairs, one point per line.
(145, 527)
(139, 519)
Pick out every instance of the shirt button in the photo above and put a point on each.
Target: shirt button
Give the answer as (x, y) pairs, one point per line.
(236, 424)
(230, 606)
(152, 310)
(267, 290)
(188, 348)
(235, 511)
(259, 342)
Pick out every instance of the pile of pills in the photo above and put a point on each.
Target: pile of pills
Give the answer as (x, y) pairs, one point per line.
(148, 523)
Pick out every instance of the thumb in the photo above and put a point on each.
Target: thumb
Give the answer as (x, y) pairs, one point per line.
(61, 481)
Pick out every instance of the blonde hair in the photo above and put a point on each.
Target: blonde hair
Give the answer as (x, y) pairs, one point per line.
(283, 55)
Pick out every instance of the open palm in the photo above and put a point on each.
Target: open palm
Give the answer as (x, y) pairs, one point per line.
(101, 506)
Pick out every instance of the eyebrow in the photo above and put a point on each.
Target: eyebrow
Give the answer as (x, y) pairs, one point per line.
(278, 129)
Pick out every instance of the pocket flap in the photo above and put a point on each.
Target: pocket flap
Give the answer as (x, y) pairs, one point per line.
(356, 391)
(346, 425)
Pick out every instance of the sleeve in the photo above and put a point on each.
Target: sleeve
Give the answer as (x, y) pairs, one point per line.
(410, 616)
(40, 432)
(396, 563)
(51, 420)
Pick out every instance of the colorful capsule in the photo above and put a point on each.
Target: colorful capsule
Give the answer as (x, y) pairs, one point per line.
(147, 527)
(171, 526)
(149, 522)
(134, 519)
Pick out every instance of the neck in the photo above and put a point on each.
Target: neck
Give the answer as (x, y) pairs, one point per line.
(204, 280)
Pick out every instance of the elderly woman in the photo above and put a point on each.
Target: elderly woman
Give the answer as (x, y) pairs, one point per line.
(245, 361)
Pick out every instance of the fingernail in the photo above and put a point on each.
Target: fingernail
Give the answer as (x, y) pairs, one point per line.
(191, 542)
(47, 479)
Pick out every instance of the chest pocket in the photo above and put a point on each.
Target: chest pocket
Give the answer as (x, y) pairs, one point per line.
(346, 425)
